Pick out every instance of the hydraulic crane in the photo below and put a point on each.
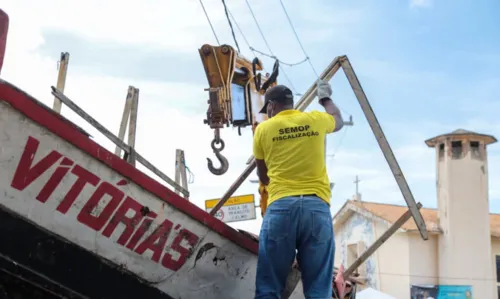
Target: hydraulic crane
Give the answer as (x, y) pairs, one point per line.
(236, 89)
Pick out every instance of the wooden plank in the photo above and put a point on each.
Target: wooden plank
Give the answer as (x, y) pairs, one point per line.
(61, 79)
(132, 126)
(177, 168)
(127, 149)
(384, 146)
(184, 182)
(125, 117)
(385, 236)
(180, 170)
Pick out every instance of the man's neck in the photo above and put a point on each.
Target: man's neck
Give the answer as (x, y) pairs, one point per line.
(284, 108)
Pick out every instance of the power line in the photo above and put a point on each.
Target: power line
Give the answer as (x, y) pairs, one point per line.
(274, 57)
(241, 31)
(308, 58)
(267, 45)
(230, 25)
(229, 16)
(258, 27)
(209, 22)
(255, 51)
(298, 39)
(338, 145)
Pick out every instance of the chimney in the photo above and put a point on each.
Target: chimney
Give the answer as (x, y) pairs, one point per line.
(464, 245)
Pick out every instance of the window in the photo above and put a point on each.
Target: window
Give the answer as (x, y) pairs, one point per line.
(354, 251)
(441, 151)
(475, 150)
(456, 149)
(352, 254)
(498, 267)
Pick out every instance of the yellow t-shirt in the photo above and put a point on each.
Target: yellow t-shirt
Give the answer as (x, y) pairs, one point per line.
(292, 144)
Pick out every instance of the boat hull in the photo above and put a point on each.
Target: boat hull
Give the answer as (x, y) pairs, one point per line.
(89, 223)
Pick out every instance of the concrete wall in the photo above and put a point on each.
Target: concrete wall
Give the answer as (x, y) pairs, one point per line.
(464, 246)
(495, 250)
(357, 230)
(423, 259)
(403, 260)
(388, 269)
(393, 263)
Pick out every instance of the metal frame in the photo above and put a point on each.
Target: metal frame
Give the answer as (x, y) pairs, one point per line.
(307, 98)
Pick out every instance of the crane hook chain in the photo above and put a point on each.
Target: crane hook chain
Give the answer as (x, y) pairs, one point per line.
(224, 163)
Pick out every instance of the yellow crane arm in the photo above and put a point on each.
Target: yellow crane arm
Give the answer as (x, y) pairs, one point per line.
(235, 93)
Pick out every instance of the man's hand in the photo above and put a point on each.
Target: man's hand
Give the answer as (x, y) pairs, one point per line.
(324, 90)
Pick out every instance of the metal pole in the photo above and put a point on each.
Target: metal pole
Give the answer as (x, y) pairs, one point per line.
(384, 146)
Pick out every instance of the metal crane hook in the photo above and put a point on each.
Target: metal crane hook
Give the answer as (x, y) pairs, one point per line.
(224, 164)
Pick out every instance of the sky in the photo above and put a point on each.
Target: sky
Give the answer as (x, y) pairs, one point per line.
(428, 67)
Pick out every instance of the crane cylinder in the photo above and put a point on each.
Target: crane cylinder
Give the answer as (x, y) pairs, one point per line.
(4, 28)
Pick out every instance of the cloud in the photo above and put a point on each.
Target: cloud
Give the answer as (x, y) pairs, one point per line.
(153, 22)
(122, 60)
(154, 48)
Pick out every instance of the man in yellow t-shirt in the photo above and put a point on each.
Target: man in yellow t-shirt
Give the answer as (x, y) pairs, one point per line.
(289, 150)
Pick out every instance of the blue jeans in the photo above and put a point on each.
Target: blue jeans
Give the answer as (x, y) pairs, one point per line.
(301, 224)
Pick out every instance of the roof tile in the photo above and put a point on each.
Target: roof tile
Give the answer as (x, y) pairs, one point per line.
(391, 213)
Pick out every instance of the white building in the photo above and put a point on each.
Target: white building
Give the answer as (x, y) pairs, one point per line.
(464, 238)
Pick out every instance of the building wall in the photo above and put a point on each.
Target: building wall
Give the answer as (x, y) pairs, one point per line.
(357, 230)
(403, 260)
(392, 259)
(464, 246)
(423, 259)
(495, 251)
